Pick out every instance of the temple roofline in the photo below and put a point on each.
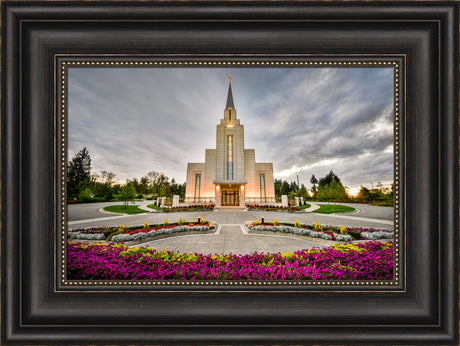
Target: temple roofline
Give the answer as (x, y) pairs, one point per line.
(230, 104)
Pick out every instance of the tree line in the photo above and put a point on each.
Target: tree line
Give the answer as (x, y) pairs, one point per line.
(83, 186)
(330, 188)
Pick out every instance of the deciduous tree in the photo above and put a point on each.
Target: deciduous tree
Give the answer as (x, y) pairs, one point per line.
(127, 193)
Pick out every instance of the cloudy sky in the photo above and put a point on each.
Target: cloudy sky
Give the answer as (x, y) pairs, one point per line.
(307, 120)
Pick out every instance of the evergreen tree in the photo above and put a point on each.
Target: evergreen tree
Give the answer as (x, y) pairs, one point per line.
(285, 188)
(278, 184)
(313, 182)
(303, 191)
(331, 189)
(78, 173)
(328, 179)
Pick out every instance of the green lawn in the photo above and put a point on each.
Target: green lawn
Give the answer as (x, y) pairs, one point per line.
(153, 206)
(306, 206)
(332, 208)
(130, 209)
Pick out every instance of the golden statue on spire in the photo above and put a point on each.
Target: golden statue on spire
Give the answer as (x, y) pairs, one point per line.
(229, 78)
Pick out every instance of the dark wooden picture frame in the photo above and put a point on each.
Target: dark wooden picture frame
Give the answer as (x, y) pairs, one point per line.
(423, 308)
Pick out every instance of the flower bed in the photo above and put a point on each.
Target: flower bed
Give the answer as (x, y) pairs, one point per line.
(91, 233)
(120, 233)
(370, 233)
(302, 231)
(195, 207)
(366, 261)
(141, 233)
(272, 208)
(324, 232)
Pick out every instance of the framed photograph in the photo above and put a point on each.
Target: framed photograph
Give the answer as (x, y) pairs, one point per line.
(230, 173)
(235, 218)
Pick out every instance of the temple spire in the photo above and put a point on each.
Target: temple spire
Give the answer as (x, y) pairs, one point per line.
(230, 95)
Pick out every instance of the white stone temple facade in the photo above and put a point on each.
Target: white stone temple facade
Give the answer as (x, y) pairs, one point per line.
(230, 175)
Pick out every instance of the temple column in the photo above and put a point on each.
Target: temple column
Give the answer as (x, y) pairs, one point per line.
(242, 196)
(218, 196)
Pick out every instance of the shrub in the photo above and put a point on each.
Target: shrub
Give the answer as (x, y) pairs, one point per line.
(166, 222)
(109, 195)
(98, 199)
(343, 237)
(376, 235)
(354, 234)
(343, 230)
(275, 222)
(84, 196)
(84, 236)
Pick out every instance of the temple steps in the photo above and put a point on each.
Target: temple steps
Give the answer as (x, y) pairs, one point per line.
(229, 208)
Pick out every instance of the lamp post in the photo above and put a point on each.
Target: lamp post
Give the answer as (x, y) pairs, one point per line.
(298, 183)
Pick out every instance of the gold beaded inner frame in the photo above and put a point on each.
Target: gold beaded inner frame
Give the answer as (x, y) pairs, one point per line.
(63, 62)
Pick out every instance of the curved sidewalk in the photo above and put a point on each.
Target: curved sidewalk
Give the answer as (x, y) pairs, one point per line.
(231, 239)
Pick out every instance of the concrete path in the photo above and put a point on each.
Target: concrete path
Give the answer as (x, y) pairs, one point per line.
(312, 207)
(235, 217)
(231, 239)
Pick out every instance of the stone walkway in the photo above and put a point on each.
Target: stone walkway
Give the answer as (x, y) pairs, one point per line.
(231, 238)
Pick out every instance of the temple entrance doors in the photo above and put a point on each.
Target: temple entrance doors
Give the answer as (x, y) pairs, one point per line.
(230, 198)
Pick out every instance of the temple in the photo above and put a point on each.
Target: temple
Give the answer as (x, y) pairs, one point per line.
(230, 175)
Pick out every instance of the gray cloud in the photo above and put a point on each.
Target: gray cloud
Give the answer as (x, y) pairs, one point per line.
(134, 120)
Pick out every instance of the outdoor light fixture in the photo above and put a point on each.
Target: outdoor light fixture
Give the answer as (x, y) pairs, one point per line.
(262, 219)
(199, 219)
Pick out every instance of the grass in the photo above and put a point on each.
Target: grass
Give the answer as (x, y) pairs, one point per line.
(153, 206)
(332, 208)
(306, 206)
(383, 204)
(130, 209)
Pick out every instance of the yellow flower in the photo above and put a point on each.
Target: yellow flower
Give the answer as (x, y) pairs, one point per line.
(296, 223)
(180, 221)
(318, 226)
(275, 222)
(120, 228)
(343, 230)
(146, 225)
(166, 222)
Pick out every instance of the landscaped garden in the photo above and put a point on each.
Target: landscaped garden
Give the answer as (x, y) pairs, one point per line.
(194, 207)
(125, 234)
(276, 207)
(344, 234)
(365, 261)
